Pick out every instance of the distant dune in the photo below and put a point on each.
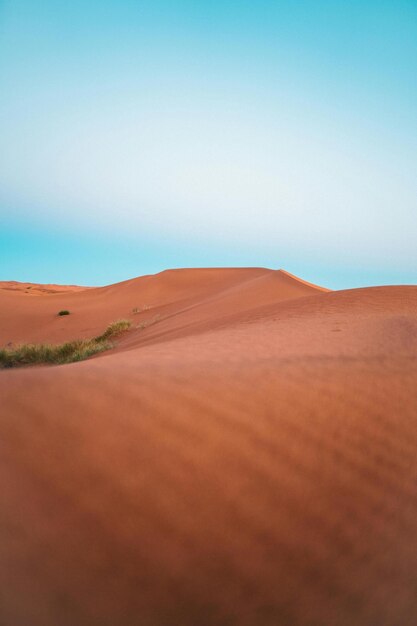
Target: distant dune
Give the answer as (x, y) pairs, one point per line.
(36, 289)
(246, 455)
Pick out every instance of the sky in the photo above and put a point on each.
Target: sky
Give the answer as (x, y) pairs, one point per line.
(137, 136)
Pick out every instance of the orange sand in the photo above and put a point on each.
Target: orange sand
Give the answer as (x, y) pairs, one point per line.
(246, 456)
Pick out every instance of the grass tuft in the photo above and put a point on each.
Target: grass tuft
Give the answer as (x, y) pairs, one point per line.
(69, 352)
(113, 329)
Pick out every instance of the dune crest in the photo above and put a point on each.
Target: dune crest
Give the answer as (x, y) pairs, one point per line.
(304, 282)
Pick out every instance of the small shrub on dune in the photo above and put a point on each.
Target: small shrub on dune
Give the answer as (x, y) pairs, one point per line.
(63, 312)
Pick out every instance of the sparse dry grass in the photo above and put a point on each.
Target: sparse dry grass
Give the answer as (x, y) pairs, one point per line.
(141, 309)
(149, 322)
(113, 329)
(69, 352)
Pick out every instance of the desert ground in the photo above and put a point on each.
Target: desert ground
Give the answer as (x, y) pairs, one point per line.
(245, 455)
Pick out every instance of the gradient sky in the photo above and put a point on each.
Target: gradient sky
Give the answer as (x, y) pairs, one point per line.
(141, 135)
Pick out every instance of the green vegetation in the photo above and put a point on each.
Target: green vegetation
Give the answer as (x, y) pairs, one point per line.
(69, 352)
(64, 312)
(115, 328)
(33, 354)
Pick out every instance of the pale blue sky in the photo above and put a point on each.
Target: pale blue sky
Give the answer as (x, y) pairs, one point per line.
(137, 136)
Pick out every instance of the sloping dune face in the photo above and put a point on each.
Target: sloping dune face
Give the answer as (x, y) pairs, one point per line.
(246, 455)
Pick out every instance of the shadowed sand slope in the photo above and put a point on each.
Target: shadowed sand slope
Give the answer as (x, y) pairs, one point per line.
(249, 458)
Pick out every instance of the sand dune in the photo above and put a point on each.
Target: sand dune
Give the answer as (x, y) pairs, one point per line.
(206, 292)
(246, 455)
(32, 289)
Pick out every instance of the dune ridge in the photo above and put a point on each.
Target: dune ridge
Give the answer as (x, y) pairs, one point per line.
(246, 455)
